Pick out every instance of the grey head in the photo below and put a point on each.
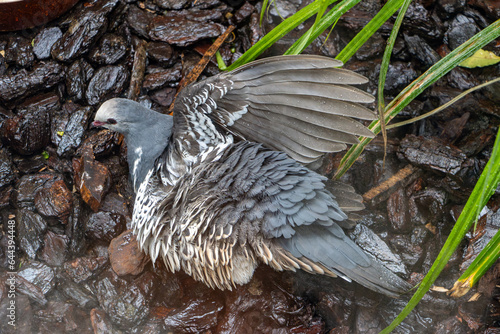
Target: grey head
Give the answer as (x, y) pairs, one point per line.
(146, 133)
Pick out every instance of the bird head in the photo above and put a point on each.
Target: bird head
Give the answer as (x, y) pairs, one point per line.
(120, 115)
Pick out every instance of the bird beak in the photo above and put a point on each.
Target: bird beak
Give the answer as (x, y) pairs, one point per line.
(96, 124)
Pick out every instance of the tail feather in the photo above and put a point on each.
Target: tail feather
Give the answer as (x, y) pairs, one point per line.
(344, 258)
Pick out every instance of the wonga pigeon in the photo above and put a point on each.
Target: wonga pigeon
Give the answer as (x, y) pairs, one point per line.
(221, 186)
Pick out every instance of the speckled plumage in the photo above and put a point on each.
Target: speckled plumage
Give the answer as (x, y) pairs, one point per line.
(221, 185)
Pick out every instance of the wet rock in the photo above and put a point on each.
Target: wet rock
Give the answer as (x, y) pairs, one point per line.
(77, 293)
(24, 83)
(62, 317)
(79, 74)
(107, 81)
(116, 204)
(172, 4)
(6, 168)
(490, 7)
(104, 226)
(102, 143)
(19, 51)
(399, 75)
(180, 30)
(372, 48)
(420, 50)
(410, 253)
(431, 153)
(374, 245)
(430, 203)
(29, 130)
(75, 229)
(92, 179)
(449, 7)
(100, 322)
(39, 274)
(85, 27)
(462, 28)
(55, 249)
(28, 186)
(161, 77)
(44, 40)
(60, 119)
(30, 290)
(397, 212)
(164, 96)
(83, 268)
(29, 165)
(74, 131)
(139, 20)
(55, 201)
(198, 315)
(419, 20)
(125, 256)
(243, 13)
(451, 325)
(5, 195)
(24, 324)
(461, 79)
(31, 228)
(124, 302)
(160, 52)
(110, 49)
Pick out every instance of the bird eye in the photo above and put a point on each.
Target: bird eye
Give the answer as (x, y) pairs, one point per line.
(111, 121)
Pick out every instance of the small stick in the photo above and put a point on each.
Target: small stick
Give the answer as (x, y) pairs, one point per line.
(387, 184)
(138, 69)
(198, 69)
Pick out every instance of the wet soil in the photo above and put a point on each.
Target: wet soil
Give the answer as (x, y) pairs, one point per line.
(65, 197)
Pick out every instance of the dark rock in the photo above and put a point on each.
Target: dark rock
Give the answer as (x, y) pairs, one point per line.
(55, 249)
(449, 7)
(171, 4)
(451, 325)
(79, 74)
(420, 21)
(92, 179)
(107, 81)
(55, 201)
(198, 314)
(110, 49)
(104, 226)
(3, 65)
(462, 28)
(243, 12)
(461, 79)
(164, 96)
(124, 302)
(181, 31)
(399, 75)
(431, 153)
(397, 212)
(77, 293)
(372, 48)
(490, 7)
(205, 4)
(85, 27)
(374, 245)
(139, 20)
(5, 195)
(125, 256)
(30, 165)
(28, 186)
(29, 130)
(162, 77)
(74, 131)
(201, 15)
(161, 53)
(431, 203)
(75, 229)
(100, 322)
(60, 119)
(102, 143)
(44, 40)
(62, 317)
(116, 204)
(419, 49)
(30, 290)
(24, 83)
(39, 274)
(20, 52)
(31, 229)
(24, 324)
(6, 168)
(84, 268)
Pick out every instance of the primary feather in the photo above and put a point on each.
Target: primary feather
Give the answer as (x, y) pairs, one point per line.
(220, 185)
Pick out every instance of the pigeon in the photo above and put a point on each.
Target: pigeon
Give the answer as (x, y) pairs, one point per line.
(223, 184)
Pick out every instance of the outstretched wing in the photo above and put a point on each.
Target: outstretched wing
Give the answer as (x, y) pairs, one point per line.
(302, 105)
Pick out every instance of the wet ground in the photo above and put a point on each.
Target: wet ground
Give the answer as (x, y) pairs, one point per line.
(63, 185)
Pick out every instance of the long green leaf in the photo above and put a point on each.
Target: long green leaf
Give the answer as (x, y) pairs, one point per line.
(278, 32)
(434, 73)
(485, 187)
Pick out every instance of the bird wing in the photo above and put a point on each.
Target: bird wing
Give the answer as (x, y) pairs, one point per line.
(301, 105)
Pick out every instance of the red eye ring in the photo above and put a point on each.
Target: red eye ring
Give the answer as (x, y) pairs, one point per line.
(111, 121)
